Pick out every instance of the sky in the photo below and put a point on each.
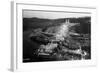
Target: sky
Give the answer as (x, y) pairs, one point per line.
(52, 15)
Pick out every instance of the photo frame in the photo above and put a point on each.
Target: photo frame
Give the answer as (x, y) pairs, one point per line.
(53, 27)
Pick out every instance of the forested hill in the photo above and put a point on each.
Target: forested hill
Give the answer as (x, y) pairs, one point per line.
(34, 23)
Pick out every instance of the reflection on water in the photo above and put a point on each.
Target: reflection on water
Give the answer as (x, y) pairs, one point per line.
(57, 49)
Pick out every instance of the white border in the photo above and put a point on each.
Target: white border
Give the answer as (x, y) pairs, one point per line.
(17, 64)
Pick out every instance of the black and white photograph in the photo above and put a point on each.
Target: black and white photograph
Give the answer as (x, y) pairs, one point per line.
(56, 35)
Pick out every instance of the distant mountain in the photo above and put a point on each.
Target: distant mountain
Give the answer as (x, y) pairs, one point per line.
(34, 23)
